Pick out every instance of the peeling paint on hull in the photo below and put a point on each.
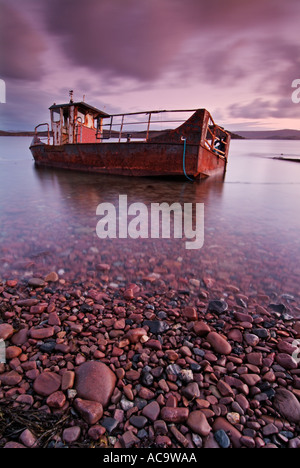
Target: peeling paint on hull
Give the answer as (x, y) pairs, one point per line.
(130, 159)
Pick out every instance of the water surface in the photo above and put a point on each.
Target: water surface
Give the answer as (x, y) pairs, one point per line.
(252, 223)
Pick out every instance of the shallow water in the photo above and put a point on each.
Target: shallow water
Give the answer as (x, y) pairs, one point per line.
(252, 223)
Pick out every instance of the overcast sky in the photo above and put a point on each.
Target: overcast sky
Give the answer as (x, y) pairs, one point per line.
(237, 58)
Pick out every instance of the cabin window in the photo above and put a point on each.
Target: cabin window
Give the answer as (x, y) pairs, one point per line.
(66, 118)
(80, 117)
(56, 116)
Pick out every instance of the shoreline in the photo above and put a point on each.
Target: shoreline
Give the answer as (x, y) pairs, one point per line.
(181, 370)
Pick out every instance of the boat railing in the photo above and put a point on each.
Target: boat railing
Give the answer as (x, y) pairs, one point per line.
(39, 135)
(115, 129)
(216, 135)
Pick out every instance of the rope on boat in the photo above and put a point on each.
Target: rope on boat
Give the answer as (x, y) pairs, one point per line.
(183, 162)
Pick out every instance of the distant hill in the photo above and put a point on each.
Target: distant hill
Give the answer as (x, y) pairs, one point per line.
(237, 135)
(270, 134)
(20, 133)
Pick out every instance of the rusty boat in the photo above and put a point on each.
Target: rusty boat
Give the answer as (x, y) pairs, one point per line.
(85, 138)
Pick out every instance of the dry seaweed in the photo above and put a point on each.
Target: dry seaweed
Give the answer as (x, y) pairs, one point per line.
(15, 419)
(46, 427)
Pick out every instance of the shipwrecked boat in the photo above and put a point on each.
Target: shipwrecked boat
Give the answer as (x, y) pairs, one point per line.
(85, 138)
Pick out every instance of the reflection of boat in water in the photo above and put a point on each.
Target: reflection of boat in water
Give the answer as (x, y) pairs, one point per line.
(84, 192)
(82, 140)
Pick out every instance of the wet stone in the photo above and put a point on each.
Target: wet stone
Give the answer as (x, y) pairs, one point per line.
(151, 411)
(129, 440)
(234, 434)
(218, 343)
(48, 347)
(278, 308)
(222, 438)
(71, 434)
(11, 378)
(36, 283)
(260, 332)
(47, 383)
(174, 415)
(286, 361)
(156, 326)
(201, 328)
(197, 422)
(138, 421)
(6, 331)
(95, 381)
(287, 405)
(91, 411)
(110, 424)
(217, 306)
(173, 369)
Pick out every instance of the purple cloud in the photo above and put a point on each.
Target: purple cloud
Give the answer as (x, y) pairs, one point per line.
(110, 47)
(21, 46)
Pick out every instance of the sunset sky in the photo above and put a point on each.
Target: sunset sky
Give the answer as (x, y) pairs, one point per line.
(237, 58)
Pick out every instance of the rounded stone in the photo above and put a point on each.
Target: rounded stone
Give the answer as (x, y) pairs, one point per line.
(28, 438)
(20, 337)
(14, 445)
(56, 400)
(218, 343)
(52, 277)
(71, 434)
(13, 352)
(6, 331)
(135, 334)
(174, 415)
(251, 339)
(10, 379)
(36, 283)
(286, 361)
(222, 438)
(95, 381)
(233, 433)
(91, 411)
(190, 313)
(287, 405)
(201, 328)
(197, 422)
(218, 306)
(41, 333)
(47, 383)
(151, 411)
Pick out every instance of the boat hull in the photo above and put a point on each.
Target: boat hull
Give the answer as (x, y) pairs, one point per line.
(131, 159)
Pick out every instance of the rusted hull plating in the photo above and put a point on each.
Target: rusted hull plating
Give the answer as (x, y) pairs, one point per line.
(162, 155)
(135, 159)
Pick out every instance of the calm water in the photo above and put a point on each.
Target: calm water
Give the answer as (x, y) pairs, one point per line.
(252, 222)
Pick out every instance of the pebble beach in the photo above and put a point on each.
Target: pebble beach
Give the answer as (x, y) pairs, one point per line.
(148, 366)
